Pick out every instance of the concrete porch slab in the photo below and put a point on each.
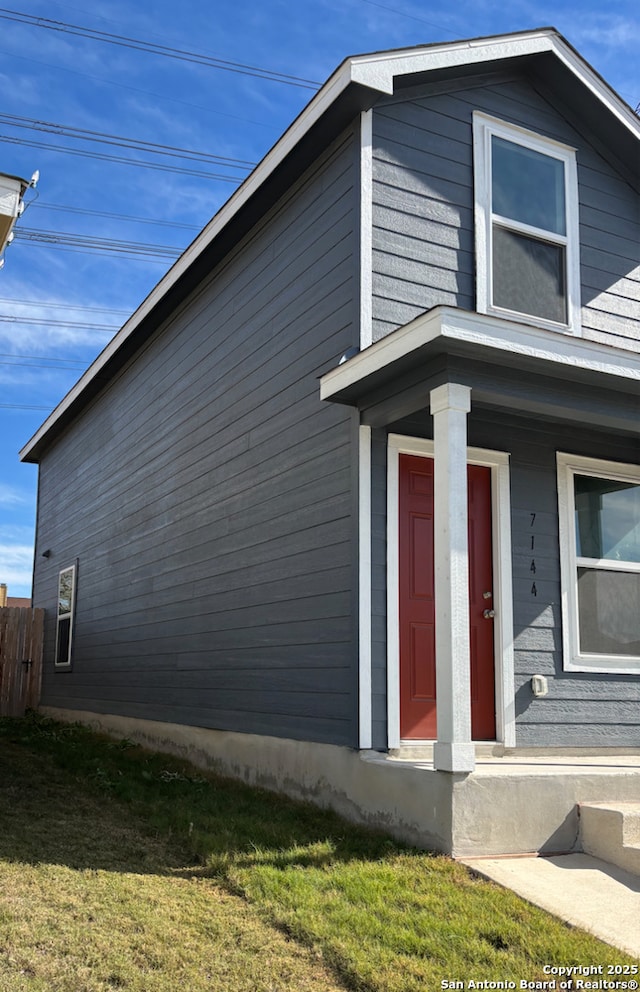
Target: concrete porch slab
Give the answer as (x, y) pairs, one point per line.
(526, 803)
(582, 890)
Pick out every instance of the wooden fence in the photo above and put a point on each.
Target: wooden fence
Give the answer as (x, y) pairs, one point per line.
(21, 631)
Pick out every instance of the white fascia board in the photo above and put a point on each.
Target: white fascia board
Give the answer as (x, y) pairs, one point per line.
(448, 323)
(379, 71)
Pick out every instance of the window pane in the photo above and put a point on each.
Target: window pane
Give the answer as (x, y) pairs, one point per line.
(62, 647)
(609, 612)
(528, 276)
(607, 519)
(65, 592)
(528, 186)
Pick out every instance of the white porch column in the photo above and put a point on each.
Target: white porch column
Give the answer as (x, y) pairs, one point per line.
(453, 751)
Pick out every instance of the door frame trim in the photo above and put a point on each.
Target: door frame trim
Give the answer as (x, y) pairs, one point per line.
(498, 462)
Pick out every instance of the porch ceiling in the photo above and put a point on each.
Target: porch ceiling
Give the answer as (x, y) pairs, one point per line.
(509, 366)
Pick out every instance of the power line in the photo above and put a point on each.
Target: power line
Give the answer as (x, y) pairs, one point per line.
(412, 17)
(112, 246)
(21, 406)
(156, 49)
(103, 213)
(45, 322)
(56, 239)
(137, 89)
(155, 148)
(42, 358)
(118, 158)
(97, 251)
(78, 367)
(50, 304)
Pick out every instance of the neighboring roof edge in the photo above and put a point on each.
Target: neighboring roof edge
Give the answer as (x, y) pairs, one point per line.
(25, 183)
(377, 72)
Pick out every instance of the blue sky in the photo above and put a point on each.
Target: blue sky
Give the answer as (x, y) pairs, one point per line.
(50, 293)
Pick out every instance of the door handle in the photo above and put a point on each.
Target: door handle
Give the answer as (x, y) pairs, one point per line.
(488, 614)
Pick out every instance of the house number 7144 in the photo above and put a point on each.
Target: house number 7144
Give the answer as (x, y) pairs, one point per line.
(532, 567)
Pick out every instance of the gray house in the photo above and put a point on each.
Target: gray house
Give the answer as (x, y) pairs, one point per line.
(373, 440)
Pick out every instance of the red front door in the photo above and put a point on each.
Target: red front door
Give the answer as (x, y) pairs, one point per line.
(416, 603)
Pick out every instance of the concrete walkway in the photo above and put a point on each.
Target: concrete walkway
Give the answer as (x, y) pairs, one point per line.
(590, 894)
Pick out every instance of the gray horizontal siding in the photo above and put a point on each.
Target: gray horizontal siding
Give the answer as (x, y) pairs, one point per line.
(423, 209)
(207, 495)
(581, 710)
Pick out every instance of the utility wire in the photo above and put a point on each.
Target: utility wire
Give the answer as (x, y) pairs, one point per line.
(147, 93)
(63, 306)
(67, 131)
(126, 217)
(78, 367)
(43, 358)
(21, 406)
(148, 46)
(111, 246)
(45, 322)
(412, 17)
(97, 251)
(118, 158)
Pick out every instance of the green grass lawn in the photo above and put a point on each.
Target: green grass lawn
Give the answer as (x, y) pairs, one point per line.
(121, 869)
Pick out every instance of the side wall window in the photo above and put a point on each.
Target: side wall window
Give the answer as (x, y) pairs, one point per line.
(599, 506)
(64, 625)
(526, 219)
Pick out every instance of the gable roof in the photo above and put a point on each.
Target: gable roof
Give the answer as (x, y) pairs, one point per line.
(354, 86)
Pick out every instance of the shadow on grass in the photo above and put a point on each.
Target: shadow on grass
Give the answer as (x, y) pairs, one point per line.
(71, 797)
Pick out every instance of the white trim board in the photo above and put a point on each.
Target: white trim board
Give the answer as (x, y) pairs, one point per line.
(365, 732)
(498, 462)
(451, 324)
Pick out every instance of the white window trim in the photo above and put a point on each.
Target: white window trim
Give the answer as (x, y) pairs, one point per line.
(498, 462)
(484, 128)
(573, 660)
(65, 616)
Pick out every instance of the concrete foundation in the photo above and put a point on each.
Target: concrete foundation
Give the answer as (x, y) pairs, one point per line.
(508, 805)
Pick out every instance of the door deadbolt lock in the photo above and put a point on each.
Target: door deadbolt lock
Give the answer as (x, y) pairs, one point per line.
(487, 595)
(488, 614)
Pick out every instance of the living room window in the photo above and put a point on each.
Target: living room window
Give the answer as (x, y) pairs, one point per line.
(526, 215)
(65, 611)
(600, 564)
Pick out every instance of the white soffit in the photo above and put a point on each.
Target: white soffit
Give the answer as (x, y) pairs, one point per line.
(462, 326)
(377, 72)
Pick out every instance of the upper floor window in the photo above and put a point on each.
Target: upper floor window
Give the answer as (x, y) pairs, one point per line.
(526, 214)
